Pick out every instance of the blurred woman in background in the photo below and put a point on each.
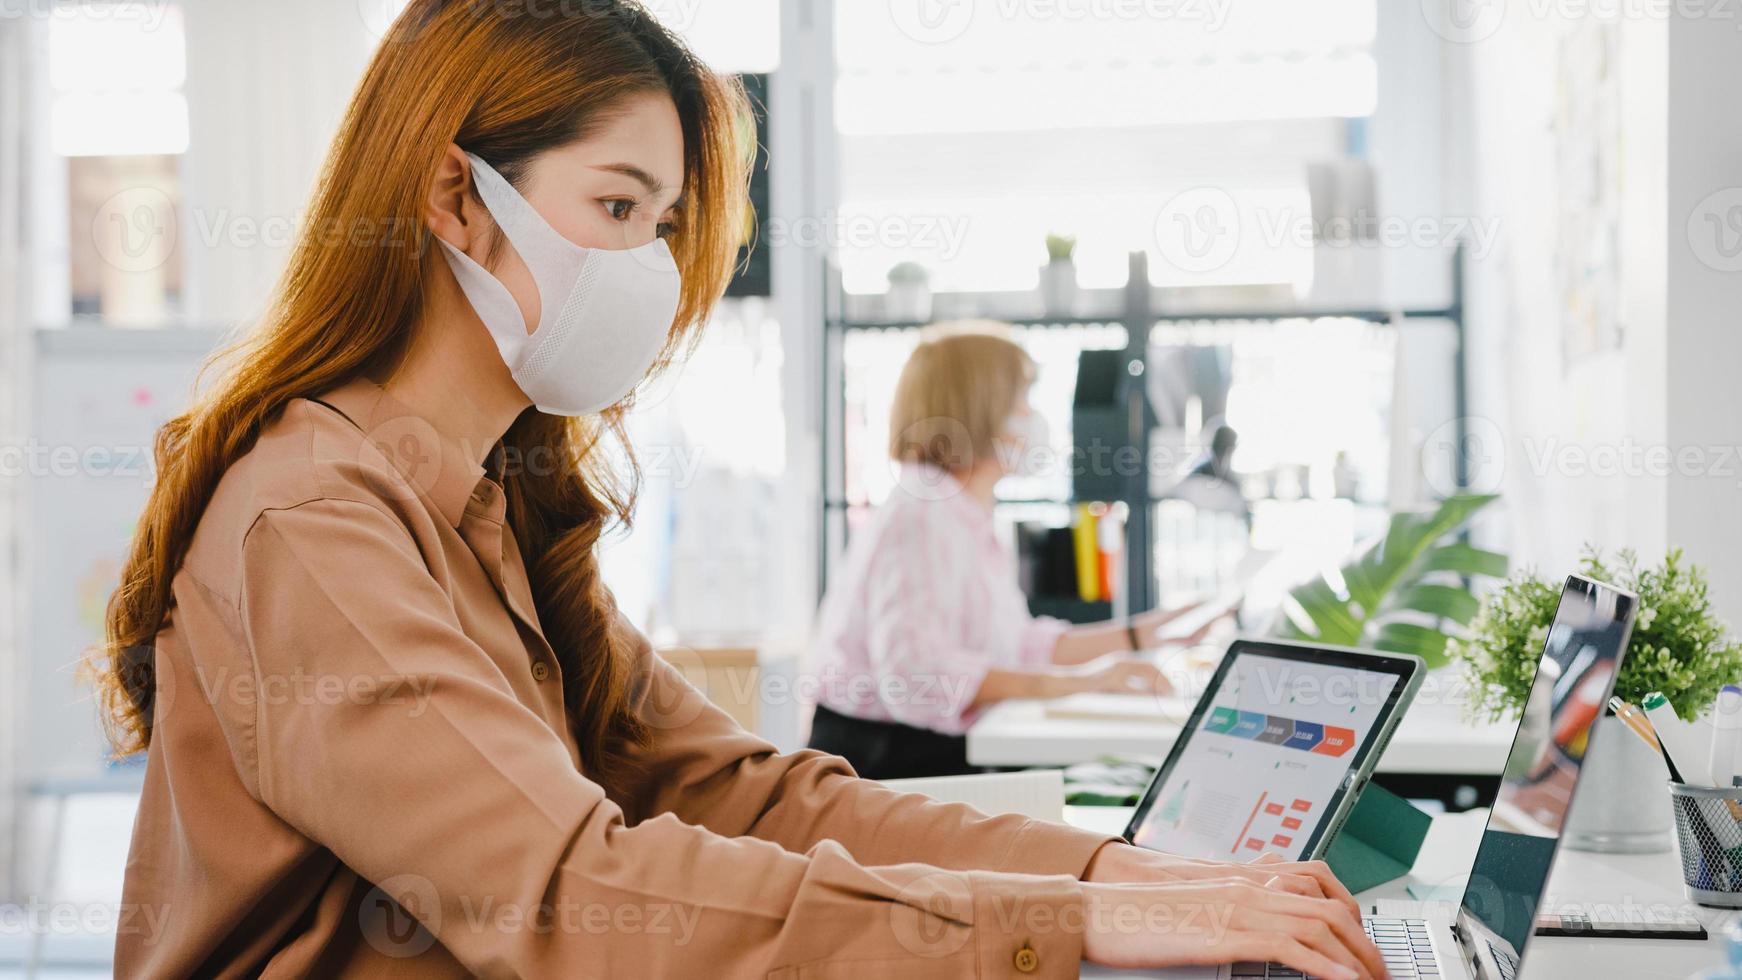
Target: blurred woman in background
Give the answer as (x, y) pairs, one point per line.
(926, 625)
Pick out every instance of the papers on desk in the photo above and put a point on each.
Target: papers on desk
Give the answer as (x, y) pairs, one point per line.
(1037, 793)
(1166, 712)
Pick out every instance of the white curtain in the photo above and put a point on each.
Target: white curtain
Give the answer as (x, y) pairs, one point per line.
(267, 85)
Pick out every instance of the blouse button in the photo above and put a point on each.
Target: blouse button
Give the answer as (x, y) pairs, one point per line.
(540, 671)
(1027, 960)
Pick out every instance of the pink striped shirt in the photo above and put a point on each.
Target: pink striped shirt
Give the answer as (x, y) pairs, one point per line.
(925, 604)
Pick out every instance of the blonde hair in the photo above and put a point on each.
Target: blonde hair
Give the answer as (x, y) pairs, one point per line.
(956, 394)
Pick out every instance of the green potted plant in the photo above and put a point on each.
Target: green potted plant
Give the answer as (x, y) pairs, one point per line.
(1058, 278)
(909, 295)
(1679, 649)
(1404, 591)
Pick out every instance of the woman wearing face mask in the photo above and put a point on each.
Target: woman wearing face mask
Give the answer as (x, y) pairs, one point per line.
(926, 624)
(395, 725)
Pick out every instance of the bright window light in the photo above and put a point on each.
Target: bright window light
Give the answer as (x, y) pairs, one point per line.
(101, 48)
(1112, 96)
(87, 124)
(969, 34)
(741, 37)
(117, 72)
(996, 242)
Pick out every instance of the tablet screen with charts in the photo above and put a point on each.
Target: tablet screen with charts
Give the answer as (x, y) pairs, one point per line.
(1275, 752)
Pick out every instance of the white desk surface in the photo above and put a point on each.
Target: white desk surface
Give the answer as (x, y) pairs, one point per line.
(1432, 738)
(1579, 879)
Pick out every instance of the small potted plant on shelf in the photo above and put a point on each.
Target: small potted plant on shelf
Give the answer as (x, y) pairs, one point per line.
(909, 296)
(1058, 278)
(1679, 649)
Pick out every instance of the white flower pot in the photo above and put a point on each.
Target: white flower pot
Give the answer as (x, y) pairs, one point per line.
(1058, 287)
(1622, 803)
(909, 300)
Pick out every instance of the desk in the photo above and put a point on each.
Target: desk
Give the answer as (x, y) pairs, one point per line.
(1432, 739)
(1578, 879)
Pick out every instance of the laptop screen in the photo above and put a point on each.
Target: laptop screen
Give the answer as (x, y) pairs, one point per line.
(1570, 692)
(1266, 758)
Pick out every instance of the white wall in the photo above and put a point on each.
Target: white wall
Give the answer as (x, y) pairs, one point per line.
(12, 316)
(1703, 342)
(1587, 450)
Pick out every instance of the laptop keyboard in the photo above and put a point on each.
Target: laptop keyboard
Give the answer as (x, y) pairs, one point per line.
(1403, 942)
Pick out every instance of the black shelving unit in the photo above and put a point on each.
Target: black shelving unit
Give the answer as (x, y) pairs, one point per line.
(1138, 315)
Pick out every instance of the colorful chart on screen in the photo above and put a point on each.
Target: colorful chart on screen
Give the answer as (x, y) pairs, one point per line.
(1265, 760)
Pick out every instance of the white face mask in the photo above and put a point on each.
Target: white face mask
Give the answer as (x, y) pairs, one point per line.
(603, 315)
(1030, 444)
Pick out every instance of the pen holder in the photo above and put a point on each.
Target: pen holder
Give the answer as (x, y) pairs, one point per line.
(1708, 827)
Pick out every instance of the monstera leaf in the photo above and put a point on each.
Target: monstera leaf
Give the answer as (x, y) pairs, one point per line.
(1402, 590)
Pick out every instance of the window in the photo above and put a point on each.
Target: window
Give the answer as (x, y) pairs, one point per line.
(120, 118)
(969, 135)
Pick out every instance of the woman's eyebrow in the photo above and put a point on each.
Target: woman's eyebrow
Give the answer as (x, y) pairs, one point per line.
(653, 184)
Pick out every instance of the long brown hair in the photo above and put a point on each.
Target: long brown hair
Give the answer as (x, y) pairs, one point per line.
(506, 80)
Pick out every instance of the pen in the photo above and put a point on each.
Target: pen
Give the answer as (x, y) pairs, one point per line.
(1726, 729)
(1635, 720)
(1671, 734)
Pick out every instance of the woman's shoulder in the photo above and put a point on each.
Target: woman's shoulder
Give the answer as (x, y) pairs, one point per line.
(309, 452)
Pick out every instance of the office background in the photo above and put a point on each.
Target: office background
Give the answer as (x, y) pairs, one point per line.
(1553, 187)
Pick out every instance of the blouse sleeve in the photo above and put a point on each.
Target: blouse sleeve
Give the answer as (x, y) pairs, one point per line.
(704, 768)
(466, 809)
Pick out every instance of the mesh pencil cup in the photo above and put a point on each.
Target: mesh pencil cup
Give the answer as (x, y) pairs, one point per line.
(1708, 828)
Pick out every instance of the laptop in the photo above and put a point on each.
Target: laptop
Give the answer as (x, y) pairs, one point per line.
(1485, 937)
(1276, 752)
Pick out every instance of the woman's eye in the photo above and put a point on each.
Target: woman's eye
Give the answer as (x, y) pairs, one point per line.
(666, 228)
(621, 210)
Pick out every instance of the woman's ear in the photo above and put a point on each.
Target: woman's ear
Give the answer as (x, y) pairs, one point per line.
(449, 199)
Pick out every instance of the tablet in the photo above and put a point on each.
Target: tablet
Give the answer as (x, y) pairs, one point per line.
(1276, 751)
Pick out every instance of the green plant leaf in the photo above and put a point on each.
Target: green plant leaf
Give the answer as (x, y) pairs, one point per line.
(1466, 560)
(1424, 641)
(1441, 601)
(1386, 579)
(1329, 613)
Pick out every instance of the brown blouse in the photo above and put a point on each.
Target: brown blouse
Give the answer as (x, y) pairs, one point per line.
(361, 767)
